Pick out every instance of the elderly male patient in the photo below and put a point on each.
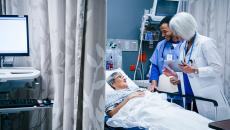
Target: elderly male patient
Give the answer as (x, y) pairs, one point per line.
(131, 107)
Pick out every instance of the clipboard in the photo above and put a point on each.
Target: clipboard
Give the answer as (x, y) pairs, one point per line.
(165, 85)
(173, 65)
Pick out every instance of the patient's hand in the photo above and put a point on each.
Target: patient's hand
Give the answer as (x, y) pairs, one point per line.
(136, 94)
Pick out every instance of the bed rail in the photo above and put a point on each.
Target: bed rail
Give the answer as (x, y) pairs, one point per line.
(215, 103)
(192, 97)
(188, 96)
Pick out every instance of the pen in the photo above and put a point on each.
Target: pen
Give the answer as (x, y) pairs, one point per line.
(183, 63)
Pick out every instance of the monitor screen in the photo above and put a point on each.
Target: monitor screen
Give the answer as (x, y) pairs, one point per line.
(162, 8)
(14, 35)
(166, 8)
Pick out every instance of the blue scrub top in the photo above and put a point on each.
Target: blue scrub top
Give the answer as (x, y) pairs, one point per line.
(163, 48)
(188, 88)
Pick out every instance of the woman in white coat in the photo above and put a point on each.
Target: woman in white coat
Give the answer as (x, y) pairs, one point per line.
(201, 65)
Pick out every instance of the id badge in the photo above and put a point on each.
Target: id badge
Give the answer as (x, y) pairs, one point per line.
(169, 57)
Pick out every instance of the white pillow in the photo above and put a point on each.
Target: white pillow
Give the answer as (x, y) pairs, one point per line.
(130, 83)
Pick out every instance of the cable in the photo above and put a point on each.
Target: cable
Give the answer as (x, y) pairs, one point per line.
(144, 18)
(37, 125)
(143, 71)
(134, 76)
(140, 73)
(2, 58)
(41, 121)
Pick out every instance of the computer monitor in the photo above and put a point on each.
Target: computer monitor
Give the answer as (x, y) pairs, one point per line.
(14, 35)
(162, 8)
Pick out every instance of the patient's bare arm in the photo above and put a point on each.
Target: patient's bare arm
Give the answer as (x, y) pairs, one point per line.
(118, 107)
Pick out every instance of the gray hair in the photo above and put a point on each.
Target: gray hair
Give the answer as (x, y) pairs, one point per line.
(184, 25)
(111, 78)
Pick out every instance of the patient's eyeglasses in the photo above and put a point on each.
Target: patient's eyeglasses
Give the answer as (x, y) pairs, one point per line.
(114, 76)
(118, 76)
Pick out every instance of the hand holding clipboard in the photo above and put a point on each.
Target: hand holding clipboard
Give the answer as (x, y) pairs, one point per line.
(186, 68)
(174, 65)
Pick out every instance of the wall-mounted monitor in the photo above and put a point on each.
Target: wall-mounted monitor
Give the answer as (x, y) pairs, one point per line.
(162, 8)
(14, 35)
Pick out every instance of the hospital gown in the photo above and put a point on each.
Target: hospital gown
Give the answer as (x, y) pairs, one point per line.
(116, 97)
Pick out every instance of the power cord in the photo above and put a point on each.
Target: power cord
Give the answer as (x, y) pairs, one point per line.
(43, 119)
(2, 58)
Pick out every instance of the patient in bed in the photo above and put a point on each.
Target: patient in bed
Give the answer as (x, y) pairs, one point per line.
(117, 99)
(132, 107)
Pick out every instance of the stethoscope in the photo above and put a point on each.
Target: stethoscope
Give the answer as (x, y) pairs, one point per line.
(186, 51)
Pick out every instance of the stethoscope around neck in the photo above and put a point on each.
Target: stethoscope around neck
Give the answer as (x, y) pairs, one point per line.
(186, 50)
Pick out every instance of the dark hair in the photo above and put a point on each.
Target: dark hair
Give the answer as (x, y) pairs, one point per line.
(166, 20)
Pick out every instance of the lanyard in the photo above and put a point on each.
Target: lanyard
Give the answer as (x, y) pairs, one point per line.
(162, 54)
(193, 39)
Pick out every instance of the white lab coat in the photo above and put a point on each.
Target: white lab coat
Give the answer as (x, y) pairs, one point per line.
(208, 82)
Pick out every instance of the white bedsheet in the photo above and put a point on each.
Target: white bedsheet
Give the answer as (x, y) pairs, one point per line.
(155, 113)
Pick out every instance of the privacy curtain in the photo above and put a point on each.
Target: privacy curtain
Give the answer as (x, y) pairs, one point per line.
(213, 17)
(67, 41)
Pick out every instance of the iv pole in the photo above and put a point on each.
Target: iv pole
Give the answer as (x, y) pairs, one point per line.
(144, 18)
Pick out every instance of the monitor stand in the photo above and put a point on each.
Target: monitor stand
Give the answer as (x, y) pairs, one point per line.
(1, 61)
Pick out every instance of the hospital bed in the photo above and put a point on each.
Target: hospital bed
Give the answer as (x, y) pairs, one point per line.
(131, 83)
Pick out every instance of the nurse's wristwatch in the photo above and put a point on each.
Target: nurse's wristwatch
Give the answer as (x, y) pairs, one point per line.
(196, 71)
